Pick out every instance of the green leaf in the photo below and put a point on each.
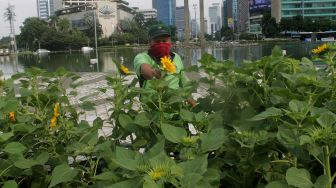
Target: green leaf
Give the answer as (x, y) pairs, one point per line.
(277, 51)
(288, 137)
(186, 115)
(156, 149)
(126, 122)
(298, 106)
(14, 148)
(213, 140)
(142, 119)
(172, 133)
(321, 182)
(23, 163)
(327, 119)
(5, 136)
(61, 174)
(10, 184)
(123, 184)
(277, 184)
(198, 165)
(10, 106)
(106, 176)
(269, 112)
(22, 127)
(125, 158)
(298, 177)
(86, 105)
(212, 176)
(149, 183)
(42, 158)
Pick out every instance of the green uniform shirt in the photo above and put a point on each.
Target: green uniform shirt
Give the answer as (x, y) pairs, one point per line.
(174, 80)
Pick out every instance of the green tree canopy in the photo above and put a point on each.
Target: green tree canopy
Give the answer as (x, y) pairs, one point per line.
(226, 33)
(31, 32)
(269, 25)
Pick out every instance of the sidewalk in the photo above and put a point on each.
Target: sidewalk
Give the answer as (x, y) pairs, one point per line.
(88, 85)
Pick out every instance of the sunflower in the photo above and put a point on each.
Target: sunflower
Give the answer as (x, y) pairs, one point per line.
(168, 64)
(124, 69)
(12, 117)
(320, 49)
(53, 120)
(56, 110)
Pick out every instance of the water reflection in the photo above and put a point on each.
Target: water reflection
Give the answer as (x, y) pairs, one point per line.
(80, 62)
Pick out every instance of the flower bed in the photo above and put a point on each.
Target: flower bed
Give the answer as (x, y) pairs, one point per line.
(270, 123)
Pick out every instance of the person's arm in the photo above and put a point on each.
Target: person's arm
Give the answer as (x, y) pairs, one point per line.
(148, 72)
(144, 68)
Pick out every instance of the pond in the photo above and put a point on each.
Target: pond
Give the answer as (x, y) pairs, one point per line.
(80, 62)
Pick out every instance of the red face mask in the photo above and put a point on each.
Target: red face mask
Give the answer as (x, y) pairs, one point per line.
(159, 50)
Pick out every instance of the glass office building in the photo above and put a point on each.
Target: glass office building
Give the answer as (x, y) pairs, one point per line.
(309, 8)
(165, 10)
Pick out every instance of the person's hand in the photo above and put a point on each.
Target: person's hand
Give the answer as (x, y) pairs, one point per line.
(192, 102)
(149, 73)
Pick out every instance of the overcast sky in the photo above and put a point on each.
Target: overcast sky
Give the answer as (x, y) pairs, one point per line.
(27, 8)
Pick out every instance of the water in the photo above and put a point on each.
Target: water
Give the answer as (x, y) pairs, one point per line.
(79, 62)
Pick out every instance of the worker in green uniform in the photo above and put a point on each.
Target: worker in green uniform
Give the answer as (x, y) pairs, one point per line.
(148, 64)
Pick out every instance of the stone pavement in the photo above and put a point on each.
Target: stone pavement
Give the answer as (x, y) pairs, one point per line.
(87, 89)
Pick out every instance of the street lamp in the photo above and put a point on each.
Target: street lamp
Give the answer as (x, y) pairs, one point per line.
(195, 6)
(95, 61)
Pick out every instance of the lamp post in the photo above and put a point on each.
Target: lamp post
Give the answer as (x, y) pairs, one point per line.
(195, 6)
(95, 31)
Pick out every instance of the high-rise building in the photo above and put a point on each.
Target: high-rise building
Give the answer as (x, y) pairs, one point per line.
(242, 16)
(256, 10)
(309, 9)
(229, 14)
(225, 13)
(179, 21)
(215, 18)
(194, 28)
(235, 14)
(47, 8)
(43, 10)
(165, 10)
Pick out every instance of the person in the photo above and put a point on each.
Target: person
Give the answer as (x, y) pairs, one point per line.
(148, 64)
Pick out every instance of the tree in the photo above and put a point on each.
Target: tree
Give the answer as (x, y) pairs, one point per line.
(173, 30)
(226, 33)
(63, 25)
(285, 24)
(298, 23)
(139, 19)
(31, 32)
(52, 21)
(269, 25)
(89, 22)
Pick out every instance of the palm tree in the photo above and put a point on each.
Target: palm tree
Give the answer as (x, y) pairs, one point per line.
(186, 23)
(201, 2)
(9, 15)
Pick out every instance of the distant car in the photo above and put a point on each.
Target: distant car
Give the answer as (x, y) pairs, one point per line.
(1, 51)
(42, 51)
(6, 51)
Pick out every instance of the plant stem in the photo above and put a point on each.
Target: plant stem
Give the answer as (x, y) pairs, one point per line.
(326, 156)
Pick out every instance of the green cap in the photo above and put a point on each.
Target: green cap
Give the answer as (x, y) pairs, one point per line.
(158, 30)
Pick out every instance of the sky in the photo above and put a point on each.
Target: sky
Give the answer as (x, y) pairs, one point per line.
(27, 8)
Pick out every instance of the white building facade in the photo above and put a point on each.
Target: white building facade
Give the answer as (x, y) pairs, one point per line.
(148, 13)
(109, 13)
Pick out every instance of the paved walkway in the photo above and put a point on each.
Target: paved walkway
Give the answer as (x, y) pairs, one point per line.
(87, 90)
